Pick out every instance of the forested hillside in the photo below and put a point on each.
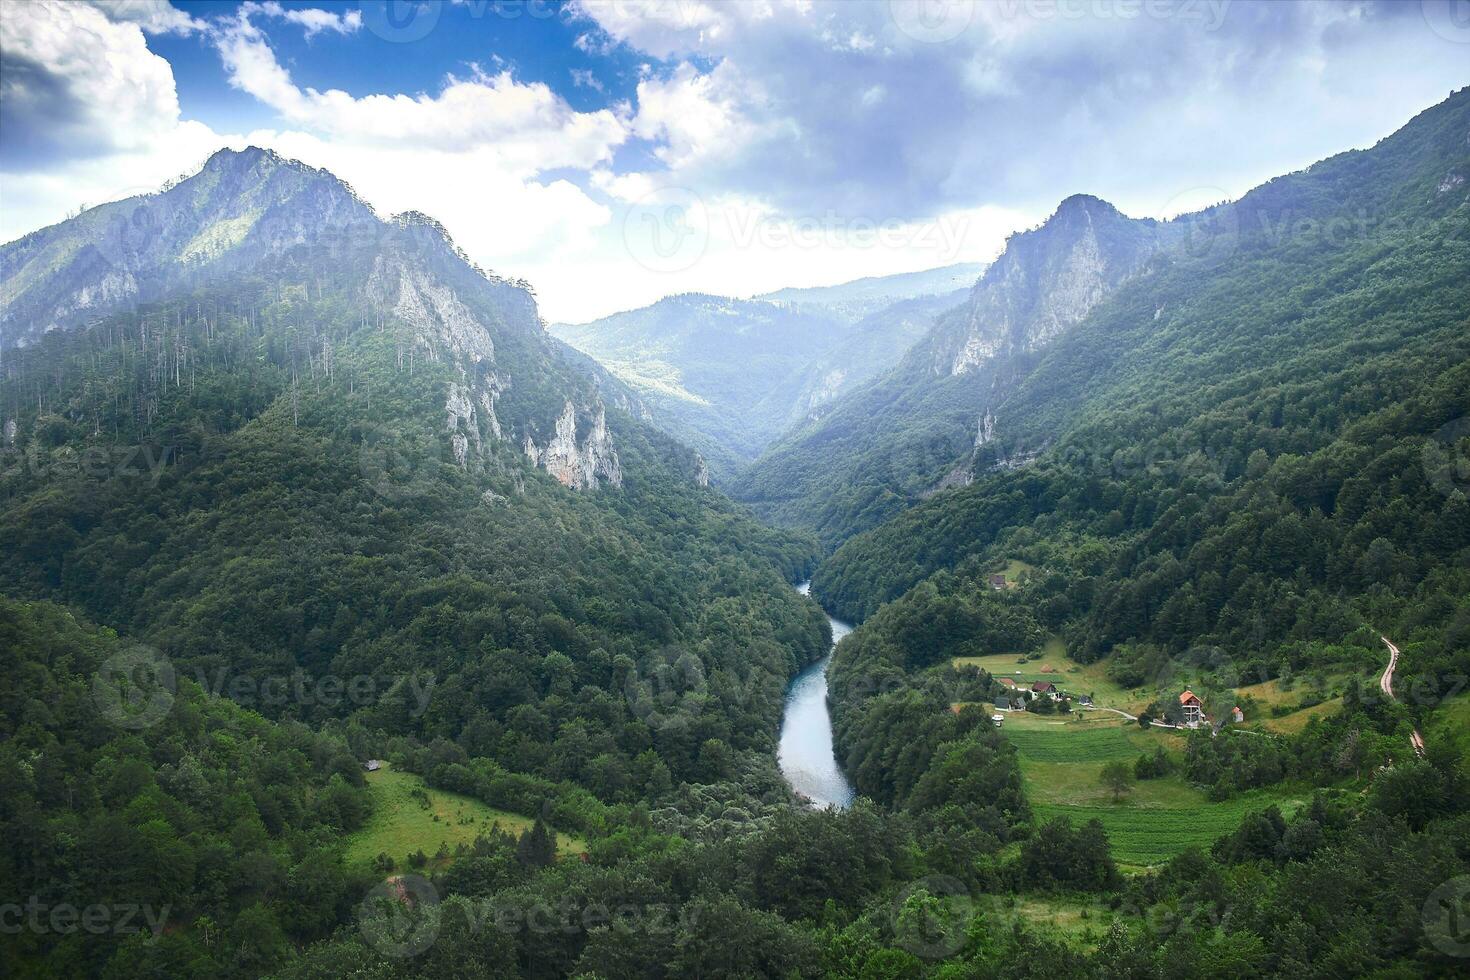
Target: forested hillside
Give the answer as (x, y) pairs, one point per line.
(361, 458)
(1210, 299)
(1248, 466)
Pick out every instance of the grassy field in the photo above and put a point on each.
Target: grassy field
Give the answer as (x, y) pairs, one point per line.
(1145, 835)
(1451, 723)
(1061, 764)
(1297, 720)
(1079, 921)
(1051, 663)
(402, 824)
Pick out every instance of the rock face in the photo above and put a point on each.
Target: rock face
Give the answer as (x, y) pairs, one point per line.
(579, 466)
(1047, 280)
(923, 426)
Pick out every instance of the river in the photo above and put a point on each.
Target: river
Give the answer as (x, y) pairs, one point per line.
(806, 756)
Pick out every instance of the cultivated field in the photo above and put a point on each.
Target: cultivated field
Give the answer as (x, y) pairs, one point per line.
(1062, 761)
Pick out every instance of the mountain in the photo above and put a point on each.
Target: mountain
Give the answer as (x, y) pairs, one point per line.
(1239, 471)
(728, 375)
(862, 297)
(329, 445)
(884, 444)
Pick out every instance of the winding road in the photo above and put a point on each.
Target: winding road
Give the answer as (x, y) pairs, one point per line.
(1386, 684)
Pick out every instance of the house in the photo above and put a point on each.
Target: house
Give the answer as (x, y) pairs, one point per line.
(1085, 700)
(997, 581)
(1008, 682)
(1192, 708)
(1045, 687)
(1236, 715)
(372, 765)
(997, 720)
(1003, 702)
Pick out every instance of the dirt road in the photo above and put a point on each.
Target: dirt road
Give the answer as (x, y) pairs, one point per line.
(1386, 684)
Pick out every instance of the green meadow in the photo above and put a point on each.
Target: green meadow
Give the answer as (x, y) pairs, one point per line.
(1061, 765)
(410, 816)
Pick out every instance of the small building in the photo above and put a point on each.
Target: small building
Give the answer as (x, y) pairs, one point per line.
(997, 720)
(1192, 708)
(373, 765)
(1003, 702)
(997, 581)
(1007, 681)
(1085, 700)
(1236, 715)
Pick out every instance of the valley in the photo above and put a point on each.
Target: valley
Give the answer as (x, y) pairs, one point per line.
(1097, 610)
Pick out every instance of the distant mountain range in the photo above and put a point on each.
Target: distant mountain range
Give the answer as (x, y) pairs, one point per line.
(730, 375)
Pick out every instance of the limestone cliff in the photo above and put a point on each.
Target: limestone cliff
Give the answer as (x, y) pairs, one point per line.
(579, 465)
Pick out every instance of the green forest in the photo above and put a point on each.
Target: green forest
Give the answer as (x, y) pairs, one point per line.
(355, 627)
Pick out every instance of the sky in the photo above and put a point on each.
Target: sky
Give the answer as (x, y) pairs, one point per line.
(612, 152)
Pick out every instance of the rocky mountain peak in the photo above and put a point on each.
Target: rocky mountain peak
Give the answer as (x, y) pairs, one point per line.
(1046, 280)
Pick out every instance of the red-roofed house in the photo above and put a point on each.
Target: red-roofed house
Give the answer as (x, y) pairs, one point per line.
(1193, 710)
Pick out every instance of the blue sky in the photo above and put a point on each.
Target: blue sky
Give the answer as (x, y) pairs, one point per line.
(615, 151)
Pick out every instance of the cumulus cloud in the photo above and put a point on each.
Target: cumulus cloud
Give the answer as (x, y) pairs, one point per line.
(77, 84)
(525, 127)
(311, 19)
(871, 109)
(153, 16)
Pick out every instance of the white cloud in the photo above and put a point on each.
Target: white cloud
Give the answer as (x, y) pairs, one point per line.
(77, 84)
(692, 115)
(524, 127)
(313, 20)
(153, 16)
